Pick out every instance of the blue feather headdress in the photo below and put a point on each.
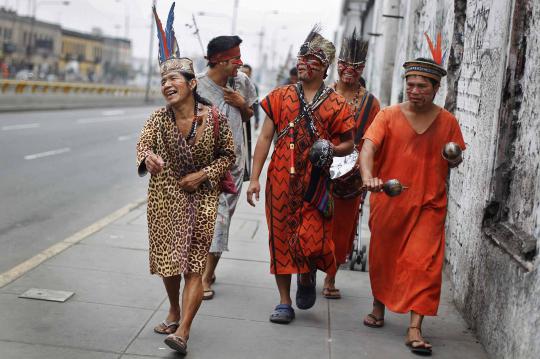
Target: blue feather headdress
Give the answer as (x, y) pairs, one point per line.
(169, 52)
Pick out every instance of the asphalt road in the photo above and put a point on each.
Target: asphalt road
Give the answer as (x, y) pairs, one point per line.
(61, 171)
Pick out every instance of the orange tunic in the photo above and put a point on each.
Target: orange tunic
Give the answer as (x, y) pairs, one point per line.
(407, 232)
(299, 236)
(346, 211)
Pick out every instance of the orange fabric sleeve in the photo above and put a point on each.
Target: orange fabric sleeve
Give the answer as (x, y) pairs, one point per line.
(271, 104)
(457, 136)
(343, 121)
(377, 130)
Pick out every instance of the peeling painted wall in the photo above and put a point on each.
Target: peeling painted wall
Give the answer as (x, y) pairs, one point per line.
(497, 297)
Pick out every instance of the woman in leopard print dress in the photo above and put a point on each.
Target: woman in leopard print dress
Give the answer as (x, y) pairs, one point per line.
(186, 159)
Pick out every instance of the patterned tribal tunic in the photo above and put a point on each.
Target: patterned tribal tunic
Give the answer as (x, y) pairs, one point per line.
(346, 211)
(300, 237)
(180, 224)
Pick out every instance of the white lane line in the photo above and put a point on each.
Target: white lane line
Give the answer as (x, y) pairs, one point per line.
(24, 267)
(47, 153)
(127, 137)
(23, 126)
(113, 112)
(82, 121)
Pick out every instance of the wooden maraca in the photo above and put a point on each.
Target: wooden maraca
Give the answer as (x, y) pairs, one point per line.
(451, 151)
(393, 187)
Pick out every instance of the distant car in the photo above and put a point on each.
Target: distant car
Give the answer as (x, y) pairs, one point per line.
(24, 75)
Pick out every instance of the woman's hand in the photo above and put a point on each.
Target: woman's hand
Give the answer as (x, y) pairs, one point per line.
(374, 184)
(154, 163)
(253, 189)
(192, 181)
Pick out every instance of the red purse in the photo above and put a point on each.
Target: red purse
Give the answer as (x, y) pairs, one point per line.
(227, 182)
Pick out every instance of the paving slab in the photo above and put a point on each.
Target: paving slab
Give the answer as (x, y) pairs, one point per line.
(107, 259)
(14, 350)
(217, 337)
(72, 324)
(93, 286)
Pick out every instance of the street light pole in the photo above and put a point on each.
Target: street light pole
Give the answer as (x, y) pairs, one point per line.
(234, 17)
(150, 53)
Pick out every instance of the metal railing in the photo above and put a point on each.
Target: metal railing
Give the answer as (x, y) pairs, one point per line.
(63, 88)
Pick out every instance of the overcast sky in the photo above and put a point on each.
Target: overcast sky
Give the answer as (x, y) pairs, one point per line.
(287, 28)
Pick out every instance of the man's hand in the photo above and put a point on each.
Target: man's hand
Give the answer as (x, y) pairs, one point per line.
(154, 163)
(253, 189)
(234, 98)
(192, 181)
(374, 184)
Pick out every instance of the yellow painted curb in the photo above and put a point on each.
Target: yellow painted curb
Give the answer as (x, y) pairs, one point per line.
(19, 270)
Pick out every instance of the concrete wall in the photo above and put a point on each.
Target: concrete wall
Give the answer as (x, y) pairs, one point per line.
(493, 87)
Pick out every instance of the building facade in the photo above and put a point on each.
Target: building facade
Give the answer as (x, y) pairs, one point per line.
(493, 87)
(29, 44)
(47, 52)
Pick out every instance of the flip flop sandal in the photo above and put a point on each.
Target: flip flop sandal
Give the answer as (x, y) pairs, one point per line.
(282, 314)
(208, 294)
(371, 325)
(176, 343)
(166, 327)
(305, 294)
(420, 349)
(331, 293)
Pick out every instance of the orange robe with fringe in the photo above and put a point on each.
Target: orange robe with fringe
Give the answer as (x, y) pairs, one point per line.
(406, 251)
(299, 236)
(346, 211)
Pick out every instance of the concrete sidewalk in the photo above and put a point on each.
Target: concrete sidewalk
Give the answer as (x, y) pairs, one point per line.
(117, 303)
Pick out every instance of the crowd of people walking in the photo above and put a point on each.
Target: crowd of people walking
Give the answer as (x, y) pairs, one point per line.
(197, 150)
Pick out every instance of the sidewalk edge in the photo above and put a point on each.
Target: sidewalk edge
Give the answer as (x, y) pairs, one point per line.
(22, 268)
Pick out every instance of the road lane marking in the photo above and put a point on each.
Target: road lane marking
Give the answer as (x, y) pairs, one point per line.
(21, 269)
(113, 112)
(127, 137)
(82, 121)
(20, 127)
(47, 153)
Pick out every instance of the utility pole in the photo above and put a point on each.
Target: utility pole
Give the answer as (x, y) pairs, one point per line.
(150, 53)
(198, 34)
(234, 17)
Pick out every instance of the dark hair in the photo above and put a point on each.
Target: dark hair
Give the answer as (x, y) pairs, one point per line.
(247, 67)
(220, 44)
(196, 95)
(293, 72)
(425, 59)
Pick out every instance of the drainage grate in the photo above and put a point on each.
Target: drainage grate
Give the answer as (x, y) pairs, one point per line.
(47, 294)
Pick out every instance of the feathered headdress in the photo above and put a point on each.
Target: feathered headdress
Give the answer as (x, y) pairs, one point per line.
(169, 52)
(353, 50)
(435, 69)
(318, 46)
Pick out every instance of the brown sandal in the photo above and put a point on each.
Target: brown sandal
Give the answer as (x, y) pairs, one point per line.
(166, 327)
(331, 293)
(377, 320)
(176, 343)
(421, 348)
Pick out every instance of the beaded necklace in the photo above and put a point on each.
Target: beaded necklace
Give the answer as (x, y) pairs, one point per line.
(194, 124)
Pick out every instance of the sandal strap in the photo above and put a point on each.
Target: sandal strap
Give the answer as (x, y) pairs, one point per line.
(372, 316)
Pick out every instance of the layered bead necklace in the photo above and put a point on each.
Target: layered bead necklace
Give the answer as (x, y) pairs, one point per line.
(193, 131)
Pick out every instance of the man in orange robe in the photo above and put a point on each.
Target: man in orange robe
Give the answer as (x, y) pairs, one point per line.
(313, 123)
(405, 142)
(364, 106)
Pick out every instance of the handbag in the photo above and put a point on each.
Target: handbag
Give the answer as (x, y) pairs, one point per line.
(226, 184)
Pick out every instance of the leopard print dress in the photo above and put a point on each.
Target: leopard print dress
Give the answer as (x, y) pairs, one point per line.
(180, 224)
